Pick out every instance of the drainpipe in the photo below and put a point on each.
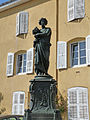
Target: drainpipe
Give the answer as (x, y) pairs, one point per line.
(57, 8)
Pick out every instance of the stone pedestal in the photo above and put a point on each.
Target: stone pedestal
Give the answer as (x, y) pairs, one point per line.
(42, 99)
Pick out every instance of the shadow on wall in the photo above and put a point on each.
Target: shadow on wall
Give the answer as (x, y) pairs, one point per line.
(21, 8)
(62, 104)
(2, 109)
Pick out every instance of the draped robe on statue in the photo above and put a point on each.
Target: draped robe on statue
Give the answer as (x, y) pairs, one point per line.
(42, 50)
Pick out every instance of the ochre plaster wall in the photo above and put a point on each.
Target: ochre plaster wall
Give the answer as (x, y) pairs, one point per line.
(70, 32)
(10, 43)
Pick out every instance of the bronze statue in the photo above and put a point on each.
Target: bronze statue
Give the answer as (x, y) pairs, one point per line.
(42, 47)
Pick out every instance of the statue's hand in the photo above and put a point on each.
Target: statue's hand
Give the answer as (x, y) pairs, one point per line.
(37, 36)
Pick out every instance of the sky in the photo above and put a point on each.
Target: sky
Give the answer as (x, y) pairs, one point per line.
(2, 1)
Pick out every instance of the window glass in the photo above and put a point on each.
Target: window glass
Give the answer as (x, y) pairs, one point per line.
(83, 60)
(21, 63)
(75, 55)
(75, 62)
(75, 47)
(82, 53)
(82, 45)
(78, 53)
(24, 63)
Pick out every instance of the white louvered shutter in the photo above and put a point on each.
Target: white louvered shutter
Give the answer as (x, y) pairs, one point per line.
(23, 22)
(70, 9)
(72, 104)
(18, 103)
(88, 49)
(10, 62)
(15, 106)
(61, 55)
(83, 104)
(78, 104)
(17, 25)
(79, 8)
(21, 103)
(76, 9)
(29, 65)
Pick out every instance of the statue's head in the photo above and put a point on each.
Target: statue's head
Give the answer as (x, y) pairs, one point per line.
(43, 21)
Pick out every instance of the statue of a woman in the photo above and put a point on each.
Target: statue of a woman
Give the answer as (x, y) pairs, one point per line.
(42, 47)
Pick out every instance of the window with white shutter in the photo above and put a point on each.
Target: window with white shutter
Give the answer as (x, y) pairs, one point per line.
(22, 23)
(21, 63)
(76, 9)
(25, 62)
(88, 49)
(78, 53)
(10, 62)
(29, 65)
(61, 55)
(18, 103)
(78, 104)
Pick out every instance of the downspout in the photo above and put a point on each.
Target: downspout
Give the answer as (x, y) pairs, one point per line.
(57, 7)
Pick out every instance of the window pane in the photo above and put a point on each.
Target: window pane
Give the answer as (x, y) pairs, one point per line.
(19, 70)
(74, 62)
(83, 60)
(24, 64)
(24, 69)
(20, 57)
(82, 45)
(21, 63)
(24, 56)
(75, 54)
(75, 47)
(82, 53)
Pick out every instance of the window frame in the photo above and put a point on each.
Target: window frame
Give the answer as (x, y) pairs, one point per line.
(18, 93)
(79, 65)
(22, 73)
(77, 103)
(20, 29)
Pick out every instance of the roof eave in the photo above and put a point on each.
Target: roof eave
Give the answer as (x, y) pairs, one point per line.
(12, 4)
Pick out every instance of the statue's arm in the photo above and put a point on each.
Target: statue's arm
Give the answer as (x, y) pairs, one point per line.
(47, 32)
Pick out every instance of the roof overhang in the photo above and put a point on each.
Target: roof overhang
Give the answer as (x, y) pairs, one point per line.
(12, 4)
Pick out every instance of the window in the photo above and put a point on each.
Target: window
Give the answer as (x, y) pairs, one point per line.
(76, 9)
(22, 23)
(24, 63)
(21, 63)
(78, 103)
(78, 53)
(18, 103)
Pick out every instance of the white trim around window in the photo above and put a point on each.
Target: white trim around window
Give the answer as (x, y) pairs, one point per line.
(22, 69)
(78, 54)
(18, 103)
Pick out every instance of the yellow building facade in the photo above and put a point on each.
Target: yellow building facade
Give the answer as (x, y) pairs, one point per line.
(71, 78)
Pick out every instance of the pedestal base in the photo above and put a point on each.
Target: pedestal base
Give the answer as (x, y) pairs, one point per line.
(42, 100)
(45, 116)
